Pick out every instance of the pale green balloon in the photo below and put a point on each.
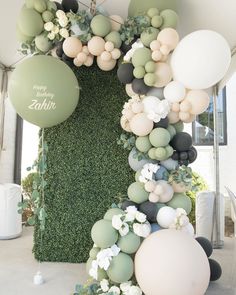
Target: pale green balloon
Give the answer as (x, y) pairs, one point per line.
(139, 72)
(22, 37)
(130, 243)
(150, 79)
(29, 3)
(141, 57)
(170, 19)
(121, 268)
(171, 130)
(44, 90)
(94, 252)
(179, 126)
(181, 200)
(149, 35)
(40, 6)
(157, 21)
(137, 175)
(159, 137)
(51, 6)
(137, 193)
(152, 153)
(47, 16)
(150, 67)
(112, 212)
(169, 151)
(100, 25)
(30, 22)
(143, 144)
(103, 234)
(153, 12)
(137, 7)
(43, 43)
(115, 38)
(89, 264)
(160, 154)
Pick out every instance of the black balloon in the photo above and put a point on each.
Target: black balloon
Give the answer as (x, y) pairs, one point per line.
(215, 270)
(59, 6)
(206, 245)
(125, 73)
(183, 156)
(150, 210)
(181, 142)
(163, 123)
(140, 87)
(59, 49)
(175, 156)
(126, 47)
(128, 203)
(192, 154)
(67, 60)
(70, 5)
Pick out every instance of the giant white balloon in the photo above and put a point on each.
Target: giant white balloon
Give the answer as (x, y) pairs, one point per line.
(171, 262)
(201, 59)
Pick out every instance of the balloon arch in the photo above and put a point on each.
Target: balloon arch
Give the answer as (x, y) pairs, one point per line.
(146, 243)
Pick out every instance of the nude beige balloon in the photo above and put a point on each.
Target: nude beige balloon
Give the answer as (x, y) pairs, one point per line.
(116, 22)
(169, 37)
(163, 73)
(173, 117)
(171, 262)
(96, 45)
(72, 46)
(141, 125)
(106, 65)
(199, 100)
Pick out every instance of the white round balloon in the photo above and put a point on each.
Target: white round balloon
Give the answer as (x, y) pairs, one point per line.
(166, 216)
(174, 92)
(201, 59)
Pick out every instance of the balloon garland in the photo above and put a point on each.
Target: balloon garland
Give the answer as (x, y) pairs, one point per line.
(148, 237)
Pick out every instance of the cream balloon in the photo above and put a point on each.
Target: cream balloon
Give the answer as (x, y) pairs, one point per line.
(163, 73)
(171, 262)
(129, 90)
(166, 216)
(174, 92)
(201, 59)
(116, 22)
(199, 101)
(96, 45)
(173, 117)
(141, 125)
(169, 37)
(125, 124)
(72, 46)
(106, 65)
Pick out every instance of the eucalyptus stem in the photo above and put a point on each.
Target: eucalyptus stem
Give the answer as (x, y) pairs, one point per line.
(93, 7)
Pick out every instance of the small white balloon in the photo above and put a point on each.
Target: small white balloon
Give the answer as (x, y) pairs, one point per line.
(166, 216)
(174, 92)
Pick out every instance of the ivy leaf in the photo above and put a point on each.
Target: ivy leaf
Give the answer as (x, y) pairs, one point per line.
(31, 220)
(35, 195)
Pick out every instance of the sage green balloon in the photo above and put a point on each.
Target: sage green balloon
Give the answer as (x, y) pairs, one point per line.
(44, 90)
(143, 144)
(29, 3)
(139, 72)
(141, 57)
(103, 234)
(153, 12)
(30, 22)
(179, 126)
(152, 153)
(161, 154)
(115, 38)
(157, 21)
(100, 25)
(169, 151)
(111, 212)
(137, 7)
(171, 130)
(89, 264)
(170, 19)
(150, 79)
(22, 37)
(130, 243)
(51, 6)
(43, 43)
(137, 175)
(150, 67)
(159, 137)
(94, 252)
(137, 193)
(181, 200)
(47, 16)
(149, 35)
(40, 6)
(121, 268)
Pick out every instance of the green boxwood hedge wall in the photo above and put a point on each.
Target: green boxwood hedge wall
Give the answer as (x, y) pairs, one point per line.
(86, 168)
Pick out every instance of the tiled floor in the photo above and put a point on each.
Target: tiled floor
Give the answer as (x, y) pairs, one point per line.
(17, 268)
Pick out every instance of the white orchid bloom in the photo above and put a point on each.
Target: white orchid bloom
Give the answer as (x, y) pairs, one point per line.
(115, 290)
(124, 230)
(117, 222)
(104, 285)
(48, 26)
(140, 217)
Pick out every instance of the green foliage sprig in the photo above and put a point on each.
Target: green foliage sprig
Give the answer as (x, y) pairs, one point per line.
(88, 289)
(181, 175)
(127, 141)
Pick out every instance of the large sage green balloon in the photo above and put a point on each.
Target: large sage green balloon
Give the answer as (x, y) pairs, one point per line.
(159, 137)
(44, 90)
(149, 35)
(115, 38)
(30, 22)
(94, 252)
(137, 7)
(141, 57)
(112, 212)
(43, 43)
(137, 193)
(22, 37)
(100, 25)
(121, 268)
(103, 234)
(143, 144)
(181, 200)
(170, 19)
(130, 243)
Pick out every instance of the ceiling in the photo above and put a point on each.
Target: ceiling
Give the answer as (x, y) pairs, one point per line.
(217, 15)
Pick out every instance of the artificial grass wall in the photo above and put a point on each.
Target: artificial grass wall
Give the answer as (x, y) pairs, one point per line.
(86, 168)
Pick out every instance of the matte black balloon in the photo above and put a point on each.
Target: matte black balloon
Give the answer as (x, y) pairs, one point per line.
(126, 47)
(59, 6)
(181, 142)
(59, 50)
(206, 245)
(150, 210)
(140, 87)
(183, 162)
(192, 154)
(175, 156)
(183, 156)
(128, 203)
(67, 60)
(125, 73)
(163, 123)
(70, 5)
(215, 269)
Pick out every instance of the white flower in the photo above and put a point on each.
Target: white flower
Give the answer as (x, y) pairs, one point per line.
(115, 250)
(134, 290)
(48, 26)
(55, 30)
(140, 217)
(137, 229)
(93, 272)
(123, 231)
(63, 22)
(145, 230)
(117, 222)
(64, 33)
(125, 286)
(138, 44)
(51, 36)
(147, 172)
(60, 14)
(115, 290)
(130, 213)
(104, 285)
